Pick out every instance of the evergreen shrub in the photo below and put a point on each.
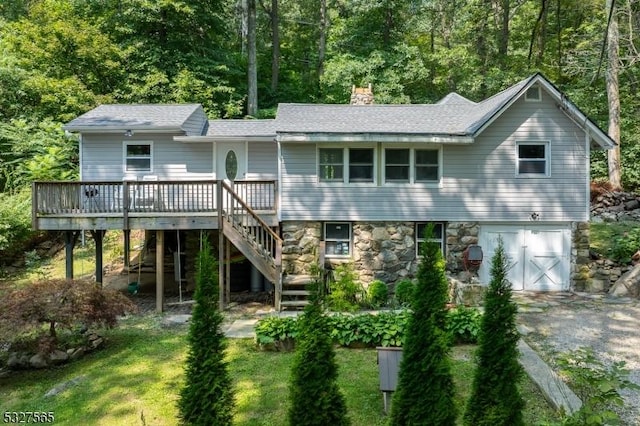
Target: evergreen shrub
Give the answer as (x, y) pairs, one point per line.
(404, 292)
(377, 294)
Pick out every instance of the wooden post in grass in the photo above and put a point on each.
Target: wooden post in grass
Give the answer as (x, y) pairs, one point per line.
(159, 270)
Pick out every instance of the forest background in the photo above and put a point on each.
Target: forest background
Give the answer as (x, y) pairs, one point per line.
(61, 58)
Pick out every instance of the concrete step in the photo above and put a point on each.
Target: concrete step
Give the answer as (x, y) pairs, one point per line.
(295, 293)
(294, 303)
(296, 280)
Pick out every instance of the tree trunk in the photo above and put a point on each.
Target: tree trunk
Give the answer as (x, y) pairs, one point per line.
(322, 43)
(503, 42)
(252, 84)
(275, 46)
(613, 96)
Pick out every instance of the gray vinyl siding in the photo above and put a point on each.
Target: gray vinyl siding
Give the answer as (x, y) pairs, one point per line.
(479, 181)
(262, 161)
(102, 157)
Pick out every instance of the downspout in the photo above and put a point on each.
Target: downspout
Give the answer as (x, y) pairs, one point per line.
(279, 182)
(587, 150)
(80, 149)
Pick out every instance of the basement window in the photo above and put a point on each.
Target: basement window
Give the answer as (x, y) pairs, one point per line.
(337, 237)
(437, 237)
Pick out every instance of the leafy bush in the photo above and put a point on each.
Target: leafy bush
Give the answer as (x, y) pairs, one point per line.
(463, 324)
(15, 223)
(377, 294)
(276, 332)
(345, 292)
(382, 329)
(597, 386)
(626, 245)
(45, 306)
(404, 292)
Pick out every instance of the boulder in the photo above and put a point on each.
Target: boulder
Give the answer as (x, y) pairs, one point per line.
(39, 361)
(628, 285)
(58, 357)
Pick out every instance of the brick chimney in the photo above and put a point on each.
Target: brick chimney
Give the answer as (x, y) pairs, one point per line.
(361, 95)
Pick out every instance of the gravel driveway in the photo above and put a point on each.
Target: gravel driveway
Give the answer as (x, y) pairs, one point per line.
(610, 326)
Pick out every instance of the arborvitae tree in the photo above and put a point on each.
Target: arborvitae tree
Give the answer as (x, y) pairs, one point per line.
(425, 391)
(207, 398)
(316, 399)
(495, 398)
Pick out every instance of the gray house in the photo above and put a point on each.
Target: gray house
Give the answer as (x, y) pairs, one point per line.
(346, 183)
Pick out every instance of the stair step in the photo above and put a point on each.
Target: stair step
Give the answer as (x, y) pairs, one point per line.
(297, 279)
(294, 303)
(295, 293)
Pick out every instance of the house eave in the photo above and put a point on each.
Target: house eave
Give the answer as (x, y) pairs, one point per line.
(374, 137)
(210, 139)
(121, 129)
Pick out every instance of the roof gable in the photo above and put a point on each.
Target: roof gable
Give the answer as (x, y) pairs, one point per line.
(188, 118)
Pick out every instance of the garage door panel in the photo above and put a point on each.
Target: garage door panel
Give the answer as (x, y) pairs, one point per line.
(539, 253)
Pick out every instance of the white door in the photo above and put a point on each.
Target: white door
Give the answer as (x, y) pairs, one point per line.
(539, 255)
(231, 161)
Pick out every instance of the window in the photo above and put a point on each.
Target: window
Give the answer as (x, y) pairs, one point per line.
(397, 164)
(427, 165)
(137, 156)
(533, 158)
(360, 165)
(533, 94)
(337, 237)
(438, 235)
(331, 164)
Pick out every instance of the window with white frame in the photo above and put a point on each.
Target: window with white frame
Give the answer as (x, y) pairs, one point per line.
(532, 158)
(331, 164)
(427, 165)
(352, 165)
(337, 237)
(403, 165)
(397, 165)
(360, 164)
(138, 156)
(437, 235)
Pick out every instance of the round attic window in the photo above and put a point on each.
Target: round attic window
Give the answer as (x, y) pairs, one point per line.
(231, 165)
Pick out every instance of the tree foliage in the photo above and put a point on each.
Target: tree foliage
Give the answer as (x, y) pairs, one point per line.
(425, 384)
(495, 398)
(315, 397)
(207, 397)
(60, 303)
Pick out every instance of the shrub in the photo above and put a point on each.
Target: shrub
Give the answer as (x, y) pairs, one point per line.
(404, 292)
(463, 324)
(597, 386)
(314, 393)
(495, 398)
(15, 224)
(377, 294)
(43, 307)
(626, 245)
(276, 332)
(207, 397)
(345, 291)
(425, 392)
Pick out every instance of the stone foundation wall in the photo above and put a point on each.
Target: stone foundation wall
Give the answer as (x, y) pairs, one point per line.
(459, 236)
(300, 243)
(580, 271)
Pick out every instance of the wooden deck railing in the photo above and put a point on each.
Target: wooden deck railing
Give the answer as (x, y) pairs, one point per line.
(109, 198)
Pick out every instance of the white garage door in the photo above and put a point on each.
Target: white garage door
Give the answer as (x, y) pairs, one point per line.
(539, 255)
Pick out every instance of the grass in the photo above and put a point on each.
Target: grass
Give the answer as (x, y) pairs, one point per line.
(136, 379)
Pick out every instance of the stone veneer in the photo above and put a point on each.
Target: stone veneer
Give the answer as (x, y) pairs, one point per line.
(386, 251)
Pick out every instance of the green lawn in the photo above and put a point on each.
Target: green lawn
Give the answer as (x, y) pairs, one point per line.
(135, 380)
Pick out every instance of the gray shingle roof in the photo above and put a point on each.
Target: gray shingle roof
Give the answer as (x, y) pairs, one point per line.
(178, 117)
(242, 128)
(454, 115)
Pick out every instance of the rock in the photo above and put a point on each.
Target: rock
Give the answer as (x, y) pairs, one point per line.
(76, 353)
(632, 205)
(628, 285)
(64, 386)
(58, 357)
(39, 361)
(95, 344)
(16, 361)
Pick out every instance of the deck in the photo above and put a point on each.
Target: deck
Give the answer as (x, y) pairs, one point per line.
(157, 205)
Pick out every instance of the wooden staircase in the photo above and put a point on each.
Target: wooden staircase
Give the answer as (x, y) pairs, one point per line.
(295, 291)
(251, 236)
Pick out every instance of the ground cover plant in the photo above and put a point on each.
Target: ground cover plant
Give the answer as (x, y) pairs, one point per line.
(140, 371)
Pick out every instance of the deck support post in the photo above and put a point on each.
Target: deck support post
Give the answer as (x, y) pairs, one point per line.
(127, 248)
(159, 271)
(221, 250)
(98, 237)
(70, 239)
(227, 278)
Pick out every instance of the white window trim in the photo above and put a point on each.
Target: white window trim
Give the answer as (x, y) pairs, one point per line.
(412, 166)
(419, 239)
(125, 144)
(338, 256)
(536, 99)
(345, 165)
(547, 158)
